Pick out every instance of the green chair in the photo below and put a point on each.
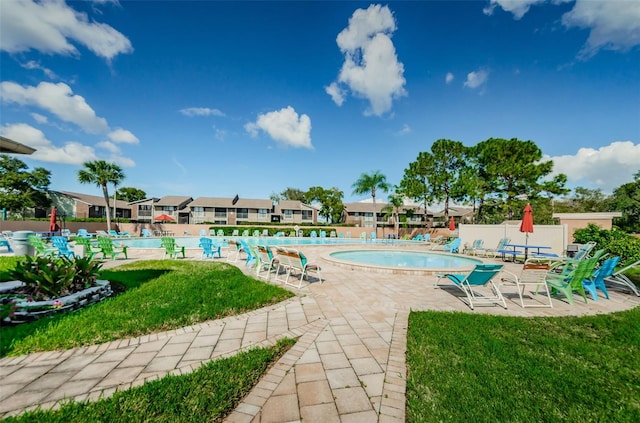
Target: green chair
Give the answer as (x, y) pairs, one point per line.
(109, 249)
(42, 248)
(90, 250)
(481, 275)
(570, 279)
(170, 248)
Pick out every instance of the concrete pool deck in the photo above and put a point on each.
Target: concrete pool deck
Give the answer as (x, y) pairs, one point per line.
(347, 366)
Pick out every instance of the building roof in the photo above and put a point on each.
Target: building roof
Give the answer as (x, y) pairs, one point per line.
(587, 216)
(242, 203)
(145, 200)
(455, 212)
(364, 207)
(11, 146)
(173, 200)
(293, 205)
(93, 200)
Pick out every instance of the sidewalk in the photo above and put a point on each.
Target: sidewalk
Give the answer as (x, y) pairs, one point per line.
(347, 366)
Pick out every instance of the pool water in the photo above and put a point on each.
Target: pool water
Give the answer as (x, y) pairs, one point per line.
(406, 259)
(192, 242)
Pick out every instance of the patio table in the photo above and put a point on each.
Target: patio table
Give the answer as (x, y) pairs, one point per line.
(515, 249)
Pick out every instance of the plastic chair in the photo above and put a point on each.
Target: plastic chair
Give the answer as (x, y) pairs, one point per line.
(170, 248)
(597, 279)
(267, 262)
(209, 249)
(481, 275)
(108, 249)
(534, 274)
(61, 244)
(619, 278)
(42, 249)
(571, 278)
(145, 233)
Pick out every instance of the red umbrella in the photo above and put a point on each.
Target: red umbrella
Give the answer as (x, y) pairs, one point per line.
(526, 225)
(452, 224)
(53, 225)
(164, 218)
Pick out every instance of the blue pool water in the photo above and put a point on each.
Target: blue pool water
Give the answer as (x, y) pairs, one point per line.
(406, 259)
(192, 242)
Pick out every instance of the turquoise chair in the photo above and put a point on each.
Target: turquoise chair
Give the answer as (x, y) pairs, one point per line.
(571, 277)
(251, 256)
(209, 249)
(83, 233)
(62, 245)
(481, 275)
(597, 280)
(145, 233)
(453, 246)
(314, 234)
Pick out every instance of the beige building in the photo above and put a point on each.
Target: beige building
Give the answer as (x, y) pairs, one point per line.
(174, 206)
(575, 221)
(361, 214)
(238, 211)
(73, 204)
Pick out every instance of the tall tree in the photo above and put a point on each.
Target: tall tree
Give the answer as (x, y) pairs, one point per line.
(514, 169)
(21, 189)
(331, 207)
(415, 184)
(130, 194)
(626, 198)
(370, 184)
(102, 173)
(396, 200)
(292, 194)
(444, 178)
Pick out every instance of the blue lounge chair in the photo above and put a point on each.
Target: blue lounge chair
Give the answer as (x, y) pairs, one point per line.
(209, 249)
(619, 278)
(481, 275)
(145, 232)
(83, 233)
(597, 280)
(251, 257)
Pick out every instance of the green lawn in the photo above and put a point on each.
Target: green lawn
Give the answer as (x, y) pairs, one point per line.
(158, 296)
(466, 367)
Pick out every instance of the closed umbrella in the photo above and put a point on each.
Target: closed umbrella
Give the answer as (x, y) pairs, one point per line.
(452, 224)
(526, 225)
(53, 225)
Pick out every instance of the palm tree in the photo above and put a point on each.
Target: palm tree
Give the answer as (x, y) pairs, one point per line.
(369, 183)
(101, 173)
(396, 200)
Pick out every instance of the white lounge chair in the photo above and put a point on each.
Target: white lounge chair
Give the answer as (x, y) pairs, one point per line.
(533, 275)
(618, 278)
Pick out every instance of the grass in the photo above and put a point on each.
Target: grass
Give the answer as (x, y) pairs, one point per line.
(208, 394)
(482, 368)
(158, 296)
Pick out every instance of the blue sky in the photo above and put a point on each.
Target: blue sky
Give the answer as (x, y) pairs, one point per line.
(215, 99)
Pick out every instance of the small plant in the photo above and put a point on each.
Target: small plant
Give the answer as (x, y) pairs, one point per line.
(46, 277)
(7, 307)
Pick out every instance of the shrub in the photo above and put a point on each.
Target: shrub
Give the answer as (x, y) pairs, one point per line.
(614, 242)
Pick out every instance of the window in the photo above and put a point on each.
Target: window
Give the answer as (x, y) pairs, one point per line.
(168, 208)
(198, 211)
(307, 215)
(288, 214)
(221, 213)
(242, 213)
(263, 213)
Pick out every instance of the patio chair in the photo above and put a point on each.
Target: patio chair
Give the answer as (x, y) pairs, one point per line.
(477, 245)
(313, 234)
(209, 249)
(234, 251)
(90, 249)
(235, 232)
(170, 248)
(251, 254)
(373, 236)
(620, 279)
(62, 246)
(495, 251)
(107, 248)
(597, 279)
(41, 248)
(363, 236)
(295, 261)
(482, 275)
(145, 233)
(452, 246)
(102, 234)
(533, 274)
(83, 233)
(323, 234)
(4, 242)
(245, 233)
(202, 232)
(571, 278)
(333, 234)
(256, 233)
(418, 237)
(267, 262)
(265, 232)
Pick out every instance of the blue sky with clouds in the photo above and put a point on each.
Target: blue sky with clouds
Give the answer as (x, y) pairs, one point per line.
(215, 99)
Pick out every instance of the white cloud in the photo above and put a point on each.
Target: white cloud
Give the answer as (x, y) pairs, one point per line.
(406, 129)
(476, 79)
(517, 7)
(284, 126)
(57, 99)
(449, 78)
(39, 118)
(51, 26)
(371, 69)
(606, 168)
(337, 94)
(613, 25)
(123, 136)
(71, 153)
(109, 146)
(201, 111)
(32, 64)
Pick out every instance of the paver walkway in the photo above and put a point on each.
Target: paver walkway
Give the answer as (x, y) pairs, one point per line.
(347, 366)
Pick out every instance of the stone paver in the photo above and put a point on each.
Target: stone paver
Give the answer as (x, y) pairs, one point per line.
(348, 364)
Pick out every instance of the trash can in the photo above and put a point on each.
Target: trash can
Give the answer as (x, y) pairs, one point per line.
(572, 249)
(21, 245)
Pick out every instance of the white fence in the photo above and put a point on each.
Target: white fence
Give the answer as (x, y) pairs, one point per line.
(554, 236)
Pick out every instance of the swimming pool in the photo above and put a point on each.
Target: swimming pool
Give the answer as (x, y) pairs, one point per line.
(192, 242)
(402, 262)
